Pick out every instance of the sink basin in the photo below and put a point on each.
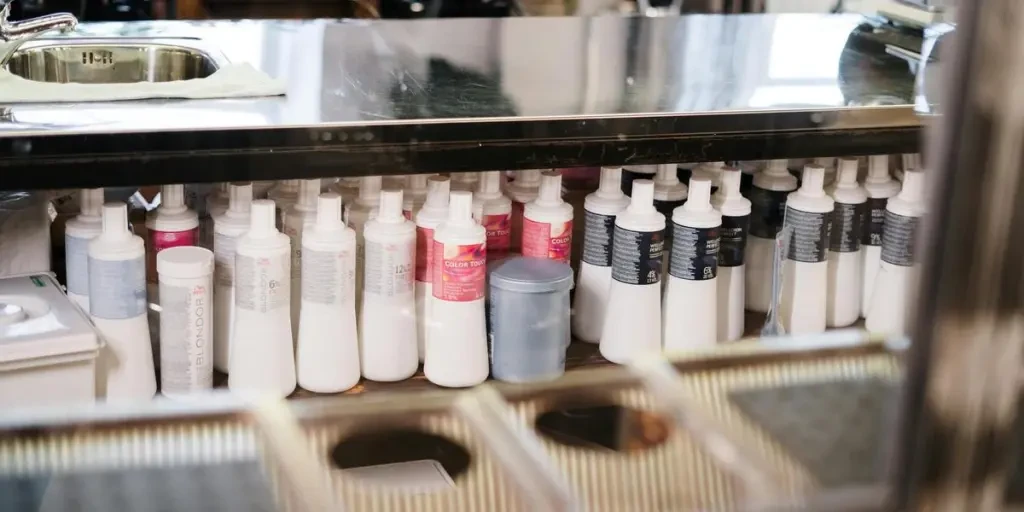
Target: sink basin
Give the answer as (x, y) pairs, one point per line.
(113, 61)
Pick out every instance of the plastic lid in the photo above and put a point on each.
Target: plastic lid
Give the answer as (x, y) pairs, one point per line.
(172, 198)
(460, 208)
(92, 203)
(643, 169)
(729, 191)
(416, 183)
(642, 200)
(825, 161)
(777, 168)
(530, 178)
(667, 185)
(288, 186)
(328, 212)
(911, 161)
(847, 173)
(115, 221)
(262, 222)
(699, 199)
(813, 184)
(464, 177)
(611, 180)
(438, 188)
(550, 193)
(309, 190)
(184, 261)
(239, 199)
(489, 186)
(532, 275)
(878, 169)
(369, 190)
(390, 207)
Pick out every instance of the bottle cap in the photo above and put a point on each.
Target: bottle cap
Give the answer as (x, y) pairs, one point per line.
(813, 184)
(369, 190)
(239, 199)
(611, 183)
(911, 161)
(115, 221)
(731, 180)
(309, 190)
(777, 168)
(390, 207)
(878, 169)
(642, 200)
(460, 207)
(92, 203)
(666, 176)
(550, 193)
(437, 192)
(416, 182)
(489, 186)
(825, 161)
(913, 187)
(529, 178)
(328, 212)
(185, 262)
(262, 221)
(172, 198)
(847, 173)
(699, 199)
(464, 177)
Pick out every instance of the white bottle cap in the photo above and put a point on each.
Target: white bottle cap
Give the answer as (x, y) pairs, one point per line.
(115, 222)
(731, 180)
(699, 199)
(528, 178)
(289, 185)
(92, 203)
(328, 212)
(489, 186)
(239, 199)
(464, 177)
(308, 192)
(185, 262)
(666, 176)
(611, 183)
(825, 161)
(550, 193)
(416, 182)
(172, 198)
(369, 190)
(642, 200)
(913, 187)
(438, 188)
(390, 207)
(460, 208)
(878, 169)
(777, 168)
(262, 221)
(911, 161)
(847, 177)
(813, 184)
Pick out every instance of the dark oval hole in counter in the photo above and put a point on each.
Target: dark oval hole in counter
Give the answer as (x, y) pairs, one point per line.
(608, 427)
(407, 459)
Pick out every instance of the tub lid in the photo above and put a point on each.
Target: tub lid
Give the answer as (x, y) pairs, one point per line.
(532, 275)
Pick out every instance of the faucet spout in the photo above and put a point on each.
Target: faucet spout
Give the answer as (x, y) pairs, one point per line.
(27, 29)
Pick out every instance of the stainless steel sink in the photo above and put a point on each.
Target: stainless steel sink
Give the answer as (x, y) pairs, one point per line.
(114, 61)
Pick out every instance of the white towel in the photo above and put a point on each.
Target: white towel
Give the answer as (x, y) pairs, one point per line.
(231, 81)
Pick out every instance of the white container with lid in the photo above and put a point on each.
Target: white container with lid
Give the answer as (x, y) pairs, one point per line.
(522, 190)
(600, 208)
(301, 215)
(170, 225)
(117, 306)
(897, 270)
(78, 232)
(880, 187)
(186, 320)
(433, 213)
(845, 264)
(732, 237)
(262, 358)
(284, 194)
(547, 222)
(414, 194)
(768, 206)
(691, 295)
(464, 181)
(495, 214)
(805, 281)
(48, 348)
(632, 322)
(227, 227)
(387, 321)
(456, 348)
(327, 350)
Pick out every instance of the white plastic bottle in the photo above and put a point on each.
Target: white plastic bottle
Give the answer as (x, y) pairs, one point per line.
(357, 213)
(805, 284)
(414, 195)
(495, 214)
(227, 227)
(522, 190)
(456, 350)
(547, 222)
(632, 322)
(894, 283)
(186, 323)
(216, 203)
(731, 278)
(78, 232)
(691, 295)
(466, 181)
(600, 209)
(327, 350)
(387, 322)
(262, 351)
(880, 187)
(845, 264)
(669, 194)
(768, 206)
(117, 305)
(296, 219)
(170, 225)
(284, 194)
(433, 213)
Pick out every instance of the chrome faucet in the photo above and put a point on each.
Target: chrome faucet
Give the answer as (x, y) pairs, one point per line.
(30, 28)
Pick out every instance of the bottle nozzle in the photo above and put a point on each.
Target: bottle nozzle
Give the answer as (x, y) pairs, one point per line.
(490, 185)
(308, 192)
(778, 167)
(731, 180)
(328, 212)
(699, 198)
(642, 200)
(172, 198)
(530, 178)
(115, 220)
(460, 207)
(92, 202)
(438, 188)
(813, 183)
(611, 182)
(878, 169)
(369, 189)
(666, 176)
(390, 206)
(263, 217)
(416, 181)
(550, 192)
(913, 186)
(239, 198)
(847, 173)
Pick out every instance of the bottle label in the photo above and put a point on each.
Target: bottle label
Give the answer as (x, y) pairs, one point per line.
(460, 271)
(597, 238)
(694, 253)
(76, 255)
(845, 232)
(224, 259)
(767, 209)
(547, 240)
(636, 256)
(186, 356)
(328, 277)
(874, 220)
(160, 240)
(117, 289)
(898, 239)
(389, 268)
(424, 254)
(809, 236)
(732, 245)
(499, 234)
(263, 284)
